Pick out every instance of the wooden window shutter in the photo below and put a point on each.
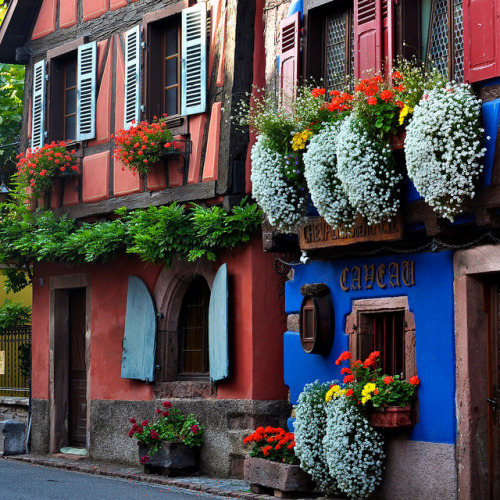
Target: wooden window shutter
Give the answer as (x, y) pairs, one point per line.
(388, 35)
(132, 76)
(194, 59)
(218, 338)
(38, 108)
(368, 37)
(86, 91)
(289, 52)
(139, 342)
(481, 20)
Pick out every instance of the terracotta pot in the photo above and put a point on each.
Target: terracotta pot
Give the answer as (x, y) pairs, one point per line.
(265, 475)
(393, 417)
(170, 459)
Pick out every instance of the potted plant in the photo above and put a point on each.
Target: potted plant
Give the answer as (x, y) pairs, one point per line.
(37, 168)
(170, 443)
(144, 144)
(386, 399)
(272, 464)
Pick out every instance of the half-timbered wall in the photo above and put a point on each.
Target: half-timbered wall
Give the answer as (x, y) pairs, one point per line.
(216, 165)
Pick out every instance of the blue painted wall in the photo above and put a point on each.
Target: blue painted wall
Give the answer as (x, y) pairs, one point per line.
(430, 299)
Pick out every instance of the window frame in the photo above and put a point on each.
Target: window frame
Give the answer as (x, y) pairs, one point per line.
(152, 24)
(359, 328)
(55, 100)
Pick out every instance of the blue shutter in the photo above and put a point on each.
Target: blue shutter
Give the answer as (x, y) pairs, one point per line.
(139, 343)
(86, 91)
(194, 59)
(132, 76)
(38, 106)
(218, 345)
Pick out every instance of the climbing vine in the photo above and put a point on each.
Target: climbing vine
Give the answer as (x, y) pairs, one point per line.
(156, 234)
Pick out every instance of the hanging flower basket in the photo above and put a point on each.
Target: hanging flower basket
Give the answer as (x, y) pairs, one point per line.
(393, 417)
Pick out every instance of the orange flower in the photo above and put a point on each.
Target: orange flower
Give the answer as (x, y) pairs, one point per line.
(372, 101)
(414, 380)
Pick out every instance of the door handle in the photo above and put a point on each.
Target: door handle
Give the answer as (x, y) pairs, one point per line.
(492, 402)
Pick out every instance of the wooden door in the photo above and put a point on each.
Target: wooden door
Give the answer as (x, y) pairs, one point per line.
(77, 384)
(493, 370)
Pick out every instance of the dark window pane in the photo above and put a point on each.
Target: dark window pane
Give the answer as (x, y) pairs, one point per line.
(71, 73)
(70, 127)
(171, 101)
(193, 329)
(70, 102)
(171, 72)
(171, 40)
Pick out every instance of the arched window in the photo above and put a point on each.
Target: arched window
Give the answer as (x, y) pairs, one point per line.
(193, 330)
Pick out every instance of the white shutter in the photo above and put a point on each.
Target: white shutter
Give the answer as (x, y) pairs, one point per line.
(38, 108)
(86, 91)
(132, 76)
(194, 57)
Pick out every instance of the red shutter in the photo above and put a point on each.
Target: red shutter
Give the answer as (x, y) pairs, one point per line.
(481, 39)
(289, 51)
(388, 29)
(368, 37)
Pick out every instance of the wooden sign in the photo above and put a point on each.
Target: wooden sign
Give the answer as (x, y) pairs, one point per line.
(2, 362)
(317, 233)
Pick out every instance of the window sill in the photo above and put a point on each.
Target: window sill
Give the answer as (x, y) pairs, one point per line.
(185, 389)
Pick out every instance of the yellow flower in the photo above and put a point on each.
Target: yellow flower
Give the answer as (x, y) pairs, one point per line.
(402, 114)
(368, 388)
(366, 398)
(300, 138)
(334, 391)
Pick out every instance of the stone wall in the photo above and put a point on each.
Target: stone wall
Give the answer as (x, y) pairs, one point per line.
(226, 423)
(14, 409)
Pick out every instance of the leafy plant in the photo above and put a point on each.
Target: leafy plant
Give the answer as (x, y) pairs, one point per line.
(157, 234)
(143, 144)
(172, 425)
(13, 314)
(37, 168)
(272, 443)
(364, 384)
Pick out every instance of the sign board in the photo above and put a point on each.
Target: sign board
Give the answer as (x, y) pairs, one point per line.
(316, 233)
(2, 362)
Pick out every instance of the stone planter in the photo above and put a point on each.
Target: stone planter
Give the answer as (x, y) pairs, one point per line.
(282, 480)
(171, 459)
(393, 417)
(398, 141)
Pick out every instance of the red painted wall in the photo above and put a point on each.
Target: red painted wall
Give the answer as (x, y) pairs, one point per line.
(257, 323)
(256, 357)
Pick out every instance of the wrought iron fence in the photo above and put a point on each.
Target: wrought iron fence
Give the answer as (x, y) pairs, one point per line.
(15, 361)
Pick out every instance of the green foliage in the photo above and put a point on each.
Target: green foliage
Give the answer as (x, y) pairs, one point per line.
(156, 234)
(11, 110)
(24, 356)
(14, 314)
(172, 425)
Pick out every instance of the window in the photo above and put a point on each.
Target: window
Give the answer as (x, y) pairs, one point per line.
(176, 58)
(62, 117)
(347, 38)
(386, 325)
(70, 114)
(334, 61)
(193, 331)
(444, 46)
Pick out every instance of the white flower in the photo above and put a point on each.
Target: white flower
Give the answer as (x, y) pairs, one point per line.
(281, 199)
(443, 147)
(366, 169)
(327, 192)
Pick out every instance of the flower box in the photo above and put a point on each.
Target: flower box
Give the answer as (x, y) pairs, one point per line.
(282, 479)
(393, 417)
(171, 459)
